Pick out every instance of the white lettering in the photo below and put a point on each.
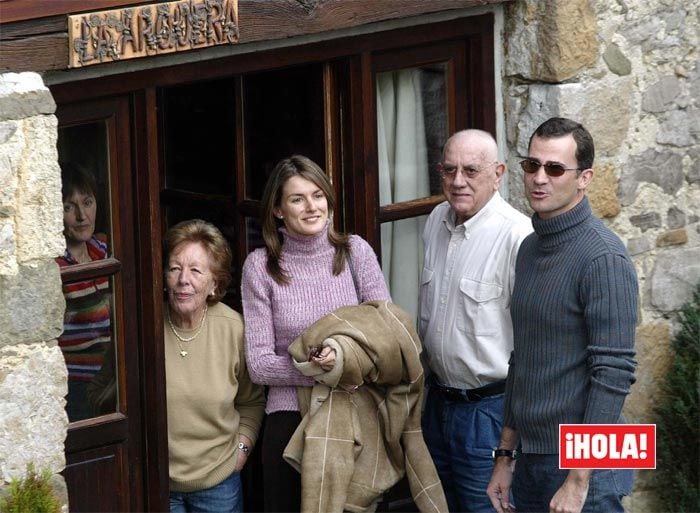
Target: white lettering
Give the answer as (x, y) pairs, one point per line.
(614, 452)
(582, 446)
(599, 446)
(629, 446)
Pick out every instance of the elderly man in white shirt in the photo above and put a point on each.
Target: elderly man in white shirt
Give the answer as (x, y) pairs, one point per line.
(471, 243)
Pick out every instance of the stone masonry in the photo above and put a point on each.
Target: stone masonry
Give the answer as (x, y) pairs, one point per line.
(33, 375)
(629, 71)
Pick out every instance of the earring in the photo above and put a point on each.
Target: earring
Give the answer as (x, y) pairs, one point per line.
(280, 217)
(211, 293)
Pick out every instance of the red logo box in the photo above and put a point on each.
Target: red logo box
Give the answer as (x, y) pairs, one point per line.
(607, 446)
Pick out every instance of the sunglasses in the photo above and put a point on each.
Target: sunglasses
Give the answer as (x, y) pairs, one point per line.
(531, 166)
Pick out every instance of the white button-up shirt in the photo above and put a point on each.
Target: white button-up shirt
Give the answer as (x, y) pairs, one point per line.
(466, 284)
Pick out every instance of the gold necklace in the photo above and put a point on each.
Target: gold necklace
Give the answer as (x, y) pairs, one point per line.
(180, 338)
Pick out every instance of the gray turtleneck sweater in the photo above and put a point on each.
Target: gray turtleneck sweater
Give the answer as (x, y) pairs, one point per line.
(574, 311)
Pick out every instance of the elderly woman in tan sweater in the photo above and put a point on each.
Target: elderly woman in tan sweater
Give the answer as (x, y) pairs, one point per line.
(214, 409)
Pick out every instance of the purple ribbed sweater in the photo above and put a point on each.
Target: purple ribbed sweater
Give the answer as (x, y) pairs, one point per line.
(276, 314)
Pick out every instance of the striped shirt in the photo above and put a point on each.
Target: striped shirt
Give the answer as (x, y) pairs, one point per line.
(87, 324)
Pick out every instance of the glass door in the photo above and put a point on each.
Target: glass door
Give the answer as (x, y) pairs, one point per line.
(100, 340)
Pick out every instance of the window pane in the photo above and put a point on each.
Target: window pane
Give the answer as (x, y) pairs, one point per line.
(84, 160)
(88, 338)
(283, 112)
(220, 215)
(199, 137)
(254, 233)
(402, 260)
(88, 346)
(411, 128)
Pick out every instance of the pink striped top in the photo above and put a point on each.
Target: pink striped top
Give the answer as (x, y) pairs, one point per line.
(276, 314)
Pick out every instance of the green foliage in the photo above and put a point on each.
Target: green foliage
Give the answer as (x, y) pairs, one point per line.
(32, 494)
(677, 479)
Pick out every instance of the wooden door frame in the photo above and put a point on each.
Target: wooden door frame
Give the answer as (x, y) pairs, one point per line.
(150, 292)
(116, 428)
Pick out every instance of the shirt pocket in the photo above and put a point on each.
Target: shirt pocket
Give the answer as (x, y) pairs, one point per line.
(427, 294)
(481, 305)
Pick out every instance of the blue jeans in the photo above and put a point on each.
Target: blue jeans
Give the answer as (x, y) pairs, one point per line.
(538, 477)
(227, 497)
(460, 437)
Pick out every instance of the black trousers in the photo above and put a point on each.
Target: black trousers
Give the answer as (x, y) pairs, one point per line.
(282, 483)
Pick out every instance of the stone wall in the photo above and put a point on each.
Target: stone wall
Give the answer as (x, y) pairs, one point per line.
(628, 70)
(33, 376)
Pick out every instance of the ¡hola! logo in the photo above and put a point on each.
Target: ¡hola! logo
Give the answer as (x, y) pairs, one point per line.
(607, 446)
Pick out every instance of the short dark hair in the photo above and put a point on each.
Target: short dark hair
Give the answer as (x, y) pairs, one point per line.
(75, 178)
(561, 127)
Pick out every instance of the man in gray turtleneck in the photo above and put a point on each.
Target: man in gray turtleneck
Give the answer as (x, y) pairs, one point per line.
(574, 310)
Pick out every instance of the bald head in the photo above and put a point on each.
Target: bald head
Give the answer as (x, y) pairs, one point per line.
(479, 140)
(471, 172)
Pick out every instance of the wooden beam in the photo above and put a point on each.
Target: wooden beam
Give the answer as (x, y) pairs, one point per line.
(20, 10)
(35, 53)
(42, 43)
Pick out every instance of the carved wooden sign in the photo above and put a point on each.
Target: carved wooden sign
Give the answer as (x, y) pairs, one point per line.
(147, 30)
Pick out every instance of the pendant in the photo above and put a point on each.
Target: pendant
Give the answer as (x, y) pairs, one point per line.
(183, 353)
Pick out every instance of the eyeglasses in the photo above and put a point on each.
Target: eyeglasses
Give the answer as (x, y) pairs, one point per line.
(448, 171)
(531, 166)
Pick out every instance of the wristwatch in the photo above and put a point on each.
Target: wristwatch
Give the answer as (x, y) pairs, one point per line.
(497, 453)
(243, 447)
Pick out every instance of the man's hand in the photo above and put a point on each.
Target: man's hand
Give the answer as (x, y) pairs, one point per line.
(498, 489)
(572, 494)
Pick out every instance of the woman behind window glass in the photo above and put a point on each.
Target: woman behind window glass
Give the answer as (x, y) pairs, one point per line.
(87, 327)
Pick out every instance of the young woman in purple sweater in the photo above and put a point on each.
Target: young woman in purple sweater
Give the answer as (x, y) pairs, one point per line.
(300, 276)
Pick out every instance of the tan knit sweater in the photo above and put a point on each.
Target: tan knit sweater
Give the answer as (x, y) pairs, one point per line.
(210, 401)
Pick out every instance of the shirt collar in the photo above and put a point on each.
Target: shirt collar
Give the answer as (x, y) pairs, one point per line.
(474, 221)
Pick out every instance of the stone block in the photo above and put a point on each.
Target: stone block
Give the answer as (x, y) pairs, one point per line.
(616, 60)
(33, 421)
(639, 245)
(641, 31)
(597, 106)
(8, 256)
(663, 168)
(674, 278)
(654, 357)
(694, 171)
(40, 214)
(675, 218)
(602, 192)
(675, 129)
(659, 96)
(672, 238)
(12, 145)
(560, 37)
(31, 304)
(24, 95)
(646, 221)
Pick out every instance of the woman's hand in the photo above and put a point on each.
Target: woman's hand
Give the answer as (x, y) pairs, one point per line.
(326, 358)
(243, 455)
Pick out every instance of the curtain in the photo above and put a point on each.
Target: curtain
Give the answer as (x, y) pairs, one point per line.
(403, 175)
